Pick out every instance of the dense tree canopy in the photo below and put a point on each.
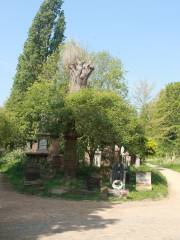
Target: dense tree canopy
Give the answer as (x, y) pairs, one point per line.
(108, 73)
(164, 119)
(8, 130)
(45, 35)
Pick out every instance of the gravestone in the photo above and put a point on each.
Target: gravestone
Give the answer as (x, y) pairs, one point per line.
(43, 145)
(137, 162)
(127, 158)
(94, 182)
(143, 181)
(32, 176)
(97, 158)
(116, 153)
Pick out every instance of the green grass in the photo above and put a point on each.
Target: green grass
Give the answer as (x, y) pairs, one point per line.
(173, 166)
(166, 163)
(159, 186)
(14, 171)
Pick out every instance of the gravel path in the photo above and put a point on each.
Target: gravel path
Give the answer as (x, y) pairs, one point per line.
(29, 217)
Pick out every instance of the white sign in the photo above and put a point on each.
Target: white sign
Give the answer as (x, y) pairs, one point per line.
(122, 150)
(97, 158)
(43, 144)
(138, 162)
(143, 181)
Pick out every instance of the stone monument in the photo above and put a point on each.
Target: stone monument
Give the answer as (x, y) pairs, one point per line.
(143, 181)
(97, 158)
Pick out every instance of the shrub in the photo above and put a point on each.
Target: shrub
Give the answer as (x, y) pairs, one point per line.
(13, 157)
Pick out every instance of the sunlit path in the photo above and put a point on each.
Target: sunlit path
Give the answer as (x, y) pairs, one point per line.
(28, 217)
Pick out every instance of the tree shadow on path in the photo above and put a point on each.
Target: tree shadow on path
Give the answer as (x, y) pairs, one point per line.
(28, 217)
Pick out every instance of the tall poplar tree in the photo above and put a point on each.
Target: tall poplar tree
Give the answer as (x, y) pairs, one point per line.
(45, 35)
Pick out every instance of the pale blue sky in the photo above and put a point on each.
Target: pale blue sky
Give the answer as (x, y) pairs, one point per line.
(144, 34)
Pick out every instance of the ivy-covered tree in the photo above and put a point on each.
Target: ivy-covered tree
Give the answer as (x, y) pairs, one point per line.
(45, 35)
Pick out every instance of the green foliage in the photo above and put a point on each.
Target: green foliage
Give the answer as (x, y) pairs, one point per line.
(41, 110)
(8, 129)
(12, 165)
(16, 156)
(159, 185)
(102, 118)
(45, 35)
(165, 120)
(173, 166)
(108, 73)
(151, 146)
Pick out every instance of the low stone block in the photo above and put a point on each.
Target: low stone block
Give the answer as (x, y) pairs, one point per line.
(118, 193)
(37, 182)
(143, 181)
(58, 191)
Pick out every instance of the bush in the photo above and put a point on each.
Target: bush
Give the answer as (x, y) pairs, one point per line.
(86, 171)
(15, 159)
(17, 155)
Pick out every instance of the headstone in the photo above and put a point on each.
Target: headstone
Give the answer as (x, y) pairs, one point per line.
(86, 159)
(143, 181)
(137, 162)
(122, 150)
(116, 153)
(32, 173)
(42, 144)
(97, 158)
(94, 182)
(128, 160)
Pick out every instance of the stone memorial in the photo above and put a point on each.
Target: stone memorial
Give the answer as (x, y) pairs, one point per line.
(143, 181)
(127, 159)
(117, 172)
(93, 182)
(137, 162)
(116, 153)
(43, 145)
(97, 158)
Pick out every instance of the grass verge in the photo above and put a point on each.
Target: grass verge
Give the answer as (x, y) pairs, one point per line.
(173, 166)
(15, 174)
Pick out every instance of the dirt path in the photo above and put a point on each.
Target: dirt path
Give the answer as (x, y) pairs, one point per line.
(26, 217)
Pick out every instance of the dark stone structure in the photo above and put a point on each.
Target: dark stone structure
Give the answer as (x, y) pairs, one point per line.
(117, 171)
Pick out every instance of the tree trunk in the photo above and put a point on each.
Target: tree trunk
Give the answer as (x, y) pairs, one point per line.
(54, 147)
(79, 74)
(91, 156)
(70, 154)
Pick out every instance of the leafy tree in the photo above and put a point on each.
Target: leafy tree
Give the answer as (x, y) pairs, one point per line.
(93, 116)
(8, 130)
(108, 73)
(45, 35)
(165, 119)
(142, 94)
(102, 118)
(41, 110)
